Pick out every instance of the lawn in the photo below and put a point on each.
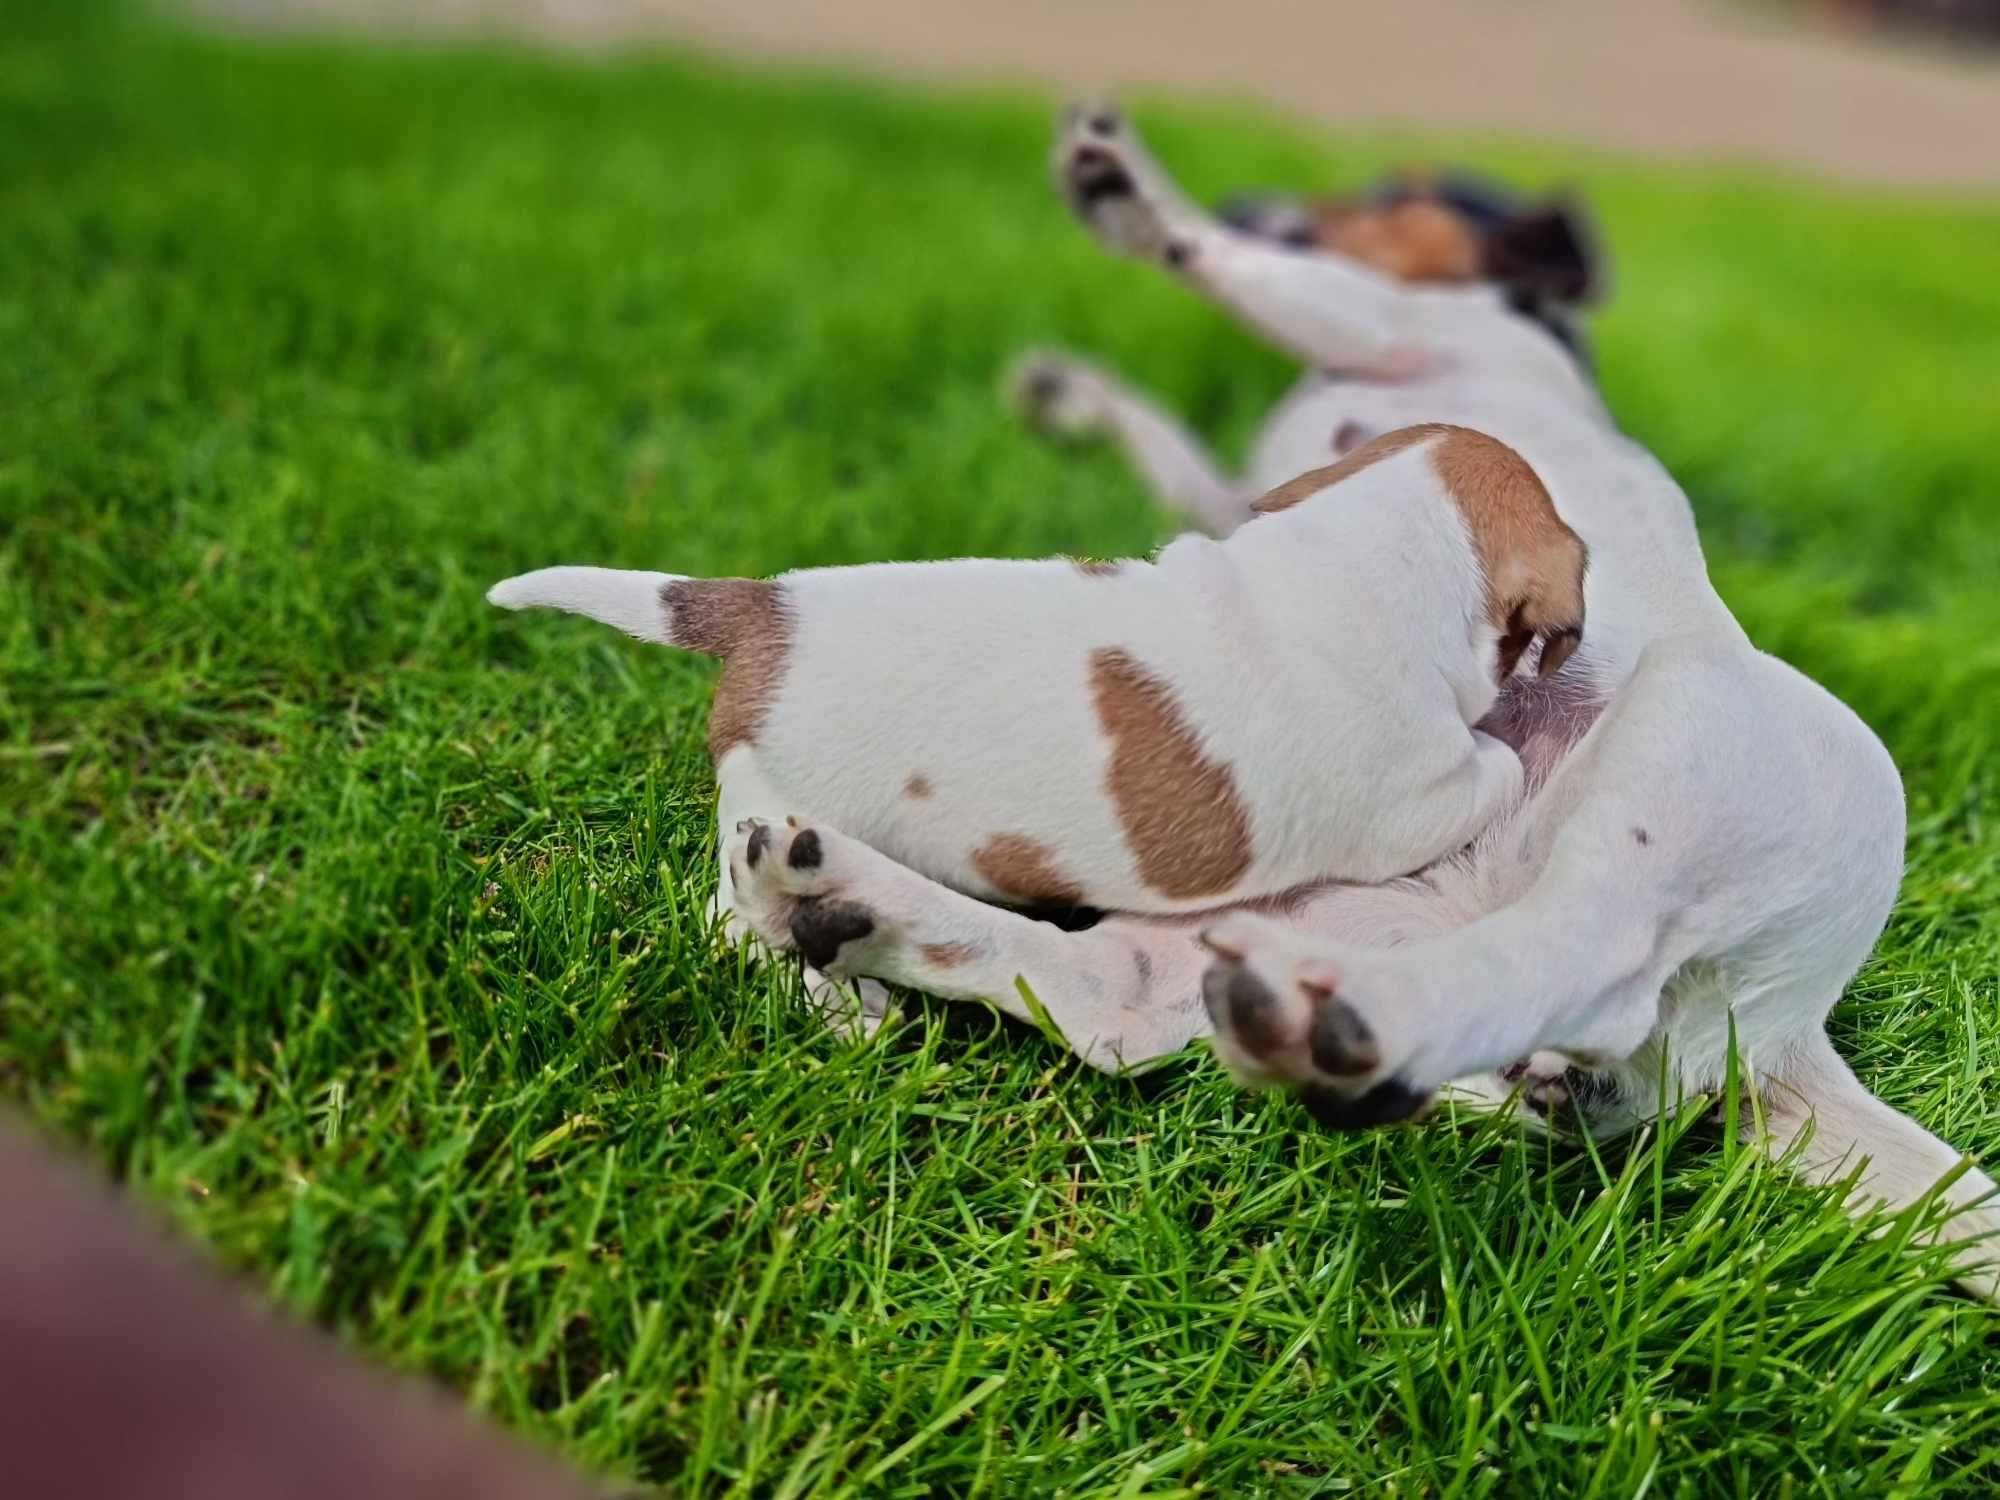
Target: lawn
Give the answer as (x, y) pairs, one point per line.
(359, 926)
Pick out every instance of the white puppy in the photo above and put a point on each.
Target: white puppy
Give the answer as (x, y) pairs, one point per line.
(1709, 846)
(1231, 720)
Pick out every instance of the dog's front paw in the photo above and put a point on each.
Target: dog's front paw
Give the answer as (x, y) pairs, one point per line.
(1057, 394)
(1288, 1014)
(1113, 186)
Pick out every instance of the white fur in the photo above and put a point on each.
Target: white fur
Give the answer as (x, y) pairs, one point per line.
(626, 600)
(1334, 656)
(1712, 843)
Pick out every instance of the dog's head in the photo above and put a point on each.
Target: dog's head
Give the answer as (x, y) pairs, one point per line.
(1447, 228)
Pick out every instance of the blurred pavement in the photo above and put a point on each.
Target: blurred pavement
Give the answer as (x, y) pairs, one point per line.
(1672, 77)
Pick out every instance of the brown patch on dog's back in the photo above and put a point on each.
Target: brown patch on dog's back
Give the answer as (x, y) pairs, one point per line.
(1310, 483)
(918, 786)
(1025, 869)
(747, 622)
(1183, 820)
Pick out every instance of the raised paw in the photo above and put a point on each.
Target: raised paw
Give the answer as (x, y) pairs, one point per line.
(1286, 1014)
(1057, 394)
(1115, 187)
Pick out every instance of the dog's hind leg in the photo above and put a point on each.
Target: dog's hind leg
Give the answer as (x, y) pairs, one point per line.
(1073, 398)
(1121, 994)
(1819, 1117)
(744, 795)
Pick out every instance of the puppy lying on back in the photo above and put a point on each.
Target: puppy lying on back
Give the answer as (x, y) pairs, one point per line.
(1234, 719)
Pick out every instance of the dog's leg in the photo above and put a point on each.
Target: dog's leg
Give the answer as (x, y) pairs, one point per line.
(1071, 397)
(744, 793)
(1324, 309)
(1689, 825)
(1814, 1103)
(1122, 994)
(741, 792)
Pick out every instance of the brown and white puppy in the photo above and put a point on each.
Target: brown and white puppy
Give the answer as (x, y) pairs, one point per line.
(1228, 721)
(1709, 846)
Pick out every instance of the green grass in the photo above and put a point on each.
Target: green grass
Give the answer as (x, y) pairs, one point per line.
(359, 925)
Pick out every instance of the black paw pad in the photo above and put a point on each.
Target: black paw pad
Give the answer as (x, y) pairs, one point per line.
(1384, 1104)
(806, 852)
(820, 928)
(1341, 1043)
(760, 841)
(1044, 384)
(1097, 175)
(1243, 1005)
(1253, 1015)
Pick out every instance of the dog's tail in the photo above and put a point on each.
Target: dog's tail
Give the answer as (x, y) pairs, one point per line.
(1814, 1103)
(716, 616)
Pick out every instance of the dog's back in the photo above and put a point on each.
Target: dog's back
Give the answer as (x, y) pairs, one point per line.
(1210, 726)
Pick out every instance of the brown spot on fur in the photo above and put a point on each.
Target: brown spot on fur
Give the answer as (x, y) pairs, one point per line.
(1091, 567)
(747, 622)
(1310, 483)
(917, 786)
(1417, 240)
(1183, 820)
(1534, 564)
(1025, 869)
(948, 955)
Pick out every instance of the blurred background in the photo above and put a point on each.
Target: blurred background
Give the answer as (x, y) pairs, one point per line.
(1894, 91)
(359, 933)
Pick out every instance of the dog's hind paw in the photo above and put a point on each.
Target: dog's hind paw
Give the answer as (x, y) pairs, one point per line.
(792, 887)
(1295, 1017)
